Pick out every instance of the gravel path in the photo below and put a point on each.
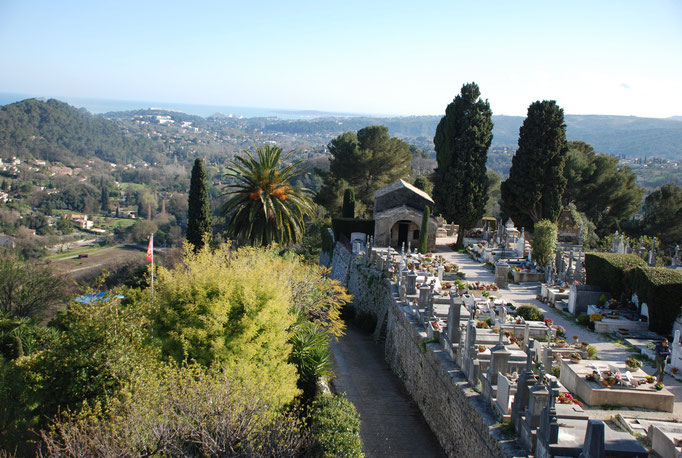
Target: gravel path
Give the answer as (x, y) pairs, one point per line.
(392, 424)
(608, 348)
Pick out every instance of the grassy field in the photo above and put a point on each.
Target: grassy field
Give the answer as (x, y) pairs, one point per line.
(109, 258)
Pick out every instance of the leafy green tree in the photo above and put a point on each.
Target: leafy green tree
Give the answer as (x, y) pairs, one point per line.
(215, 309)
(104, 200)
(349, 203)
(199, 223)
(264, 207)
(606, 193)
(544, 241)
(536, 180)
(367, 161)
(424, 232)
(663, 213)
(423, 183)
(462, 139)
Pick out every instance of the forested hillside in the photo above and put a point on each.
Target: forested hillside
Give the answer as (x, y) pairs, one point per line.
(58, 132)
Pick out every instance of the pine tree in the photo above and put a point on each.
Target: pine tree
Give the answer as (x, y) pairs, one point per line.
(462, 139)
(424, 232)
(199, 211)
(349, 203)
(536, 180)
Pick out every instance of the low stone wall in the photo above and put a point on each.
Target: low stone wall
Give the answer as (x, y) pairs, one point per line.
(340, 263)
(371, 294)
(461, 419)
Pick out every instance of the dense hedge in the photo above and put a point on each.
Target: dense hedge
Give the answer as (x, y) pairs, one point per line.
(346, 226)
(327, 242)
(661, 289)
(607, 270)
(335, 427)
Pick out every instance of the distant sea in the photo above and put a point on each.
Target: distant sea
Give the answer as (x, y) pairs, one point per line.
(105, 105)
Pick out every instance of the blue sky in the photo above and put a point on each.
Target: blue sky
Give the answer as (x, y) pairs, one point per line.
(388, 57)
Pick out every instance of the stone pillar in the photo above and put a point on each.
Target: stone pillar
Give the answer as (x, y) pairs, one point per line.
(499, 357)
(537, 401)
(526, 336)
(526, 380)
(501, 274)
(411, 283)
(424, 293)
(403, 292)
(547, 358)
(453, 318)
(441, 269)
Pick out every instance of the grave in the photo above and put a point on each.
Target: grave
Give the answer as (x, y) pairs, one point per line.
(593, 393)
(580, 296)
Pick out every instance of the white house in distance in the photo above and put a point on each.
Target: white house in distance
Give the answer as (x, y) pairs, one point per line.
(398, 210)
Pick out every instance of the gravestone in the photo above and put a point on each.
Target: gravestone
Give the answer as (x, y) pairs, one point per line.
(502, 274)
(526, 380)
(453, 318)
(411, 283)
(594, 440)
(499, 358)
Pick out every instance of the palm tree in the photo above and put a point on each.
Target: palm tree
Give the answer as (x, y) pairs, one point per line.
(264, 207)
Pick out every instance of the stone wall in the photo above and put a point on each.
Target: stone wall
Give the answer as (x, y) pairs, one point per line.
(340, 264)
(461, 419)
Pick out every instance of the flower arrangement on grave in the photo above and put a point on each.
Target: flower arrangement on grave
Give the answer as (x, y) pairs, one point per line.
(674, 370)
(596, 317)
(482, 324)
(575, 357)
(659, 386)
(567, 398)
(481, 348)
(609, 380)
(613, 304)
(561, 343)
(560, 330)
(435, 325)
(495, 329)
(633, 363)
(650, 379)
(548, 322)
(446, 285)
(594, 376)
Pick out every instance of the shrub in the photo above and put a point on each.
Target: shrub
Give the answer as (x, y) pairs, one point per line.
(607, 270)
(347, 226)
(424, 233)
(556, 371)
(596, 317)
(349, 203)
(591, 352)
(583, 319)
(530, 312)
(661, 289)
(544, 241)
(335, 427)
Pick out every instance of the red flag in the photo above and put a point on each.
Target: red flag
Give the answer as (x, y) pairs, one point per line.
(150, 249)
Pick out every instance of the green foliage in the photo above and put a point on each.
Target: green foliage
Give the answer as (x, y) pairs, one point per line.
(530, 312)
(607, 194)
(607, 270)
(347, 226)
(183, 411)
(492, 208)
(28, 289)
(424, 232)
(264, 207)
(349, 203)
(367, 161)
(661, 289)
(423, 183)
(462, 139)
(584, 319)
(591, 352)
(327, 241)
(199, 212)
(310, 354)
(104, 200)
(536, 180)
(663, 213)
(556, 371)
(544, 241)
(215, 308)
(335, 428)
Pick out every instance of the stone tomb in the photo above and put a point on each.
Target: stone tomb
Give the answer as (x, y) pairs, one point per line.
(596, 394)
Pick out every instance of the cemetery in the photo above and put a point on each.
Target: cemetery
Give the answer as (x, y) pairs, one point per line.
(456, 342)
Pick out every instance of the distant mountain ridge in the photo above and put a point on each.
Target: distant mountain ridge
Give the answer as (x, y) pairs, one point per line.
(617, 135)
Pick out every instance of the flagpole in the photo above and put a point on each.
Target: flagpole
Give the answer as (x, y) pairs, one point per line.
(152, 243)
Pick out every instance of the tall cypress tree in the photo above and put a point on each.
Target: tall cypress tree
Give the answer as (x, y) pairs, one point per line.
(105, 198)
(424, 232)
(199, 212)
(462, 139)
(348, 203)
(536, 180)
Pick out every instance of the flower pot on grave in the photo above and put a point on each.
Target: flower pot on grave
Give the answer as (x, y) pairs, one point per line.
(674, 370)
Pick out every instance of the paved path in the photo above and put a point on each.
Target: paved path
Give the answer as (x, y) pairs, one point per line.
(392, 424)
(607, 348)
